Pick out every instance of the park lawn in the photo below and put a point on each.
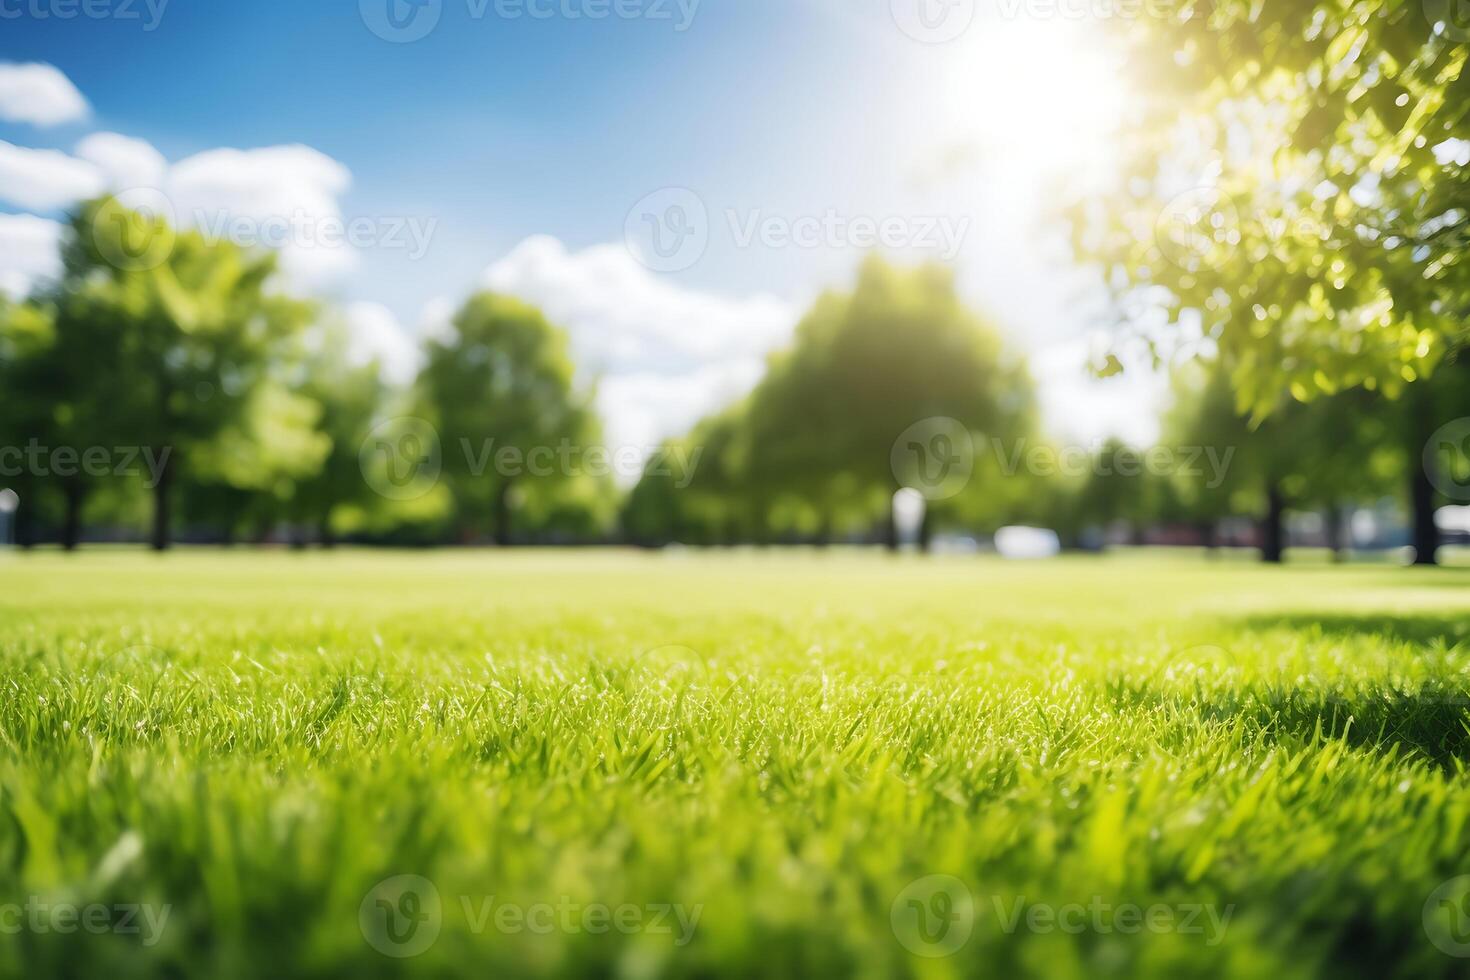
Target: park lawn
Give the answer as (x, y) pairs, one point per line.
(759, 760)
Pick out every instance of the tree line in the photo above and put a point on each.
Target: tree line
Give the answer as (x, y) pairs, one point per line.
(244, 417)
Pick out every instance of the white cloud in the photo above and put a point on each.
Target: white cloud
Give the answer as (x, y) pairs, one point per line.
(664, 355)
(43, 180)
(263, 183)
(38, 94)
(435, 319)
(287, 193)
(29, 251)
(123, 161)
(375, 334)
(282, 197)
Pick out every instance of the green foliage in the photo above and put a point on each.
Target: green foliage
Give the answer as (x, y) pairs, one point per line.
(810, 452)
(1282, 185)
(504, 383)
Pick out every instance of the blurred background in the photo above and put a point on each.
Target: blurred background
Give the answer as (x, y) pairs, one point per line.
(929, 274)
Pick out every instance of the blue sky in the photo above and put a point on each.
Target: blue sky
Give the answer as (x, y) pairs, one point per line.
(520, 144)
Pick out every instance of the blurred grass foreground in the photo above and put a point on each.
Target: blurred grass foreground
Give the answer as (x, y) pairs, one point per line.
(780, 763)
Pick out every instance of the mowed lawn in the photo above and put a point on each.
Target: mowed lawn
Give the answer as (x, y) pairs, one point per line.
(772, 764)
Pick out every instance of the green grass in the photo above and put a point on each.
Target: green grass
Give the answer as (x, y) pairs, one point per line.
(780, 743)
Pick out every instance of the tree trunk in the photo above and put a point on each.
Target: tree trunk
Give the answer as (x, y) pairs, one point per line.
(324, 534)
(1426, 532)
(71, 528)
(163, 507)
(502, 514)
(890, 532)
(1273, 526)
(926, 531)
(25, 523)
(1209, 535)
(1333, 525)
(824, 533)
(1420, 430)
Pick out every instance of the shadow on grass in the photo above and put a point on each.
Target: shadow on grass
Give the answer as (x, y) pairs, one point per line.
(1434, 725)
(1423, 630)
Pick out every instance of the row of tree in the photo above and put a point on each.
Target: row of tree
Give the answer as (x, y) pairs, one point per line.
(158, 346)
(1295, 187)
(809, 455)
(255, 418)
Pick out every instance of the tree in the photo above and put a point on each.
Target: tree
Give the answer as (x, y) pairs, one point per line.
(900, 351)
(500, 391)
(256, 467)
(177, 332)
(1289, 182)
(28, 372)
(1326, 454)
(1295, 188)
(348, 397)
